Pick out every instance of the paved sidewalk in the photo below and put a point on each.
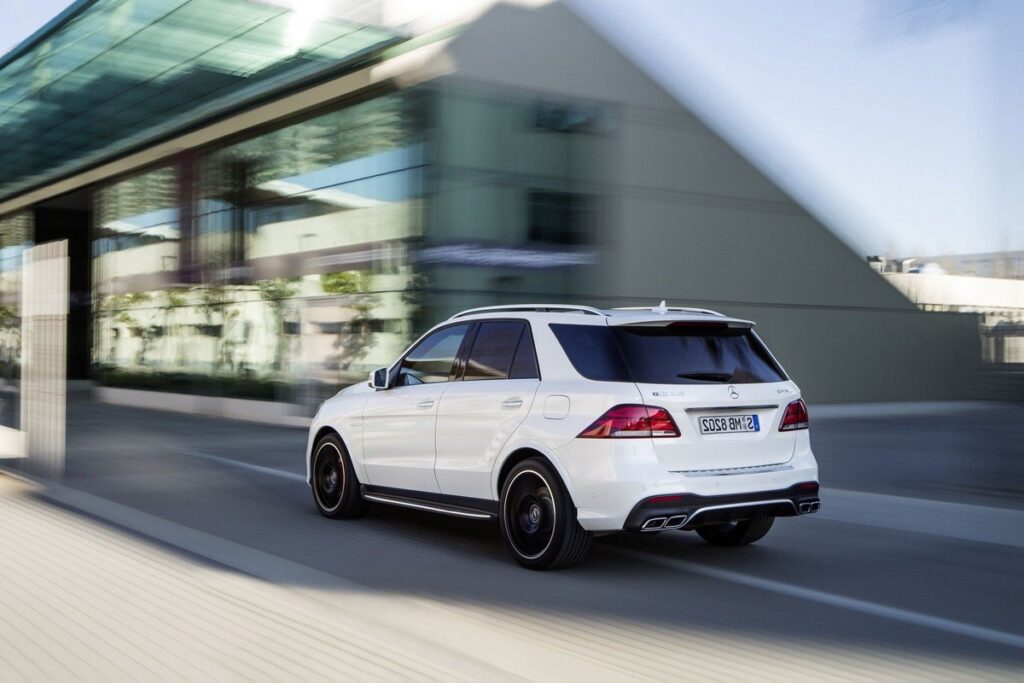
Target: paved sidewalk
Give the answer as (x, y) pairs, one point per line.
(82, 600)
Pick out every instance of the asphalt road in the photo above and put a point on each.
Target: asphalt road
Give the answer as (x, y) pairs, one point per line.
(832, 595)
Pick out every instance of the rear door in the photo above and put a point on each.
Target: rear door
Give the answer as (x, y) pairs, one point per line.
(722, 387)
(476, 416)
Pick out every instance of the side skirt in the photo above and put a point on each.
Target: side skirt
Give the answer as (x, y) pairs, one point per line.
(456, 506)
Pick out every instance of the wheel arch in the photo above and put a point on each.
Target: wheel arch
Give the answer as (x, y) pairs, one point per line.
(525, 452)
(320, 433)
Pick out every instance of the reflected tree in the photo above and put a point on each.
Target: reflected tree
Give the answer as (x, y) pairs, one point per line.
(171, 324)
(276, 292)
(353, 339)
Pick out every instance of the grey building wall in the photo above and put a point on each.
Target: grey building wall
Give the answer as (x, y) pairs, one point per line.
(690, 220)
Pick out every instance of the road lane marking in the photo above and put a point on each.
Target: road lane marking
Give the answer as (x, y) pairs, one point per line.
(274, 472)
(874, 609)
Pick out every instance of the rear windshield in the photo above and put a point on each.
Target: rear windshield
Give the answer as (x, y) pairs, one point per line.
(676, 354)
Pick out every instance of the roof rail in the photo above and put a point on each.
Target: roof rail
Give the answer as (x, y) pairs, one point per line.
(659, 309)
(535, 308)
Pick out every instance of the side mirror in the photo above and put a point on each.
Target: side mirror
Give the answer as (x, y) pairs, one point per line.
(379, 378)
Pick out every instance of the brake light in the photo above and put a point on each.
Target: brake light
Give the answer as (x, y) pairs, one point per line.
(795, 417)
(632, 421)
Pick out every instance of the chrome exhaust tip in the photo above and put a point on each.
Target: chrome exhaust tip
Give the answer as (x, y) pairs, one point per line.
(654, 524)
(675, 521)
(809, 506)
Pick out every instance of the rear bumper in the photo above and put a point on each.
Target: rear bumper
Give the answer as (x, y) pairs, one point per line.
(689, 511)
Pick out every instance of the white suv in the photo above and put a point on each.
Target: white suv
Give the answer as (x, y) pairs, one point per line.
(566, 421)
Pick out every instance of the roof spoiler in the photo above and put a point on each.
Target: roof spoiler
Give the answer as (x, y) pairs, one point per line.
(670, 321)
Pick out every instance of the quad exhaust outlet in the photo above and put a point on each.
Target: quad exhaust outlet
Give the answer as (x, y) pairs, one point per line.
(660, 523)
(809, 506)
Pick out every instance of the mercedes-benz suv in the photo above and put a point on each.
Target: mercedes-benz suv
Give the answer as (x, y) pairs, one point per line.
(562, 422)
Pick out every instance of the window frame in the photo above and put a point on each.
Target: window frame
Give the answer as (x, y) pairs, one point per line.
(463, 360)
(469, 350)
(396, 369)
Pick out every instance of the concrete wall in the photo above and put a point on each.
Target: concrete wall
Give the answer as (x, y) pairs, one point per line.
(851, 355)
(694, 222)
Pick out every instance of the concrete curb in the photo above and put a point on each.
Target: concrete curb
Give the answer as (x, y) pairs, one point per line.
(265, 412)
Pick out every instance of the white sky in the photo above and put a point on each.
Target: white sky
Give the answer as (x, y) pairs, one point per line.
(897, 121)
(21, 18)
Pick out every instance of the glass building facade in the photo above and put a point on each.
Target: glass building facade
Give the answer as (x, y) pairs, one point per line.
(268, 266)
(15, 237)
(289, 262)
(115, 73)
(292, 262)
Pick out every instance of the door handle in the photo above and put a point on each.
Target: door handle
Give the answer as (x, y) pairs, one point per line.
(512, 403)
(428, 403)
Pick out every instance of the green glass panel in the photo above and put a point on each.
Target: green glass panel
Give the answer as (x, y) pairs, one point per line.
(124, 71)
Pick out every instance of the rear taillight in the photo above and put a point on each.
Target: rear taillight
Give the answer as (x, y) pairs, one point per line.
(627, 421)
(795, 416)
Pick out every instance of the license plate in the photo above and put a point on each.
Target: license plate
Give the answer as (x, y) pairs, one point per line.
(728, 424)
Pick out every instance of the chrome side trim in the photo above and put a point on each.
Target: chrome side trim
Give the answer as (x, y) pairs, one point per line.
(730, 409)
(379, 498)
(753, 503)
(731, 471)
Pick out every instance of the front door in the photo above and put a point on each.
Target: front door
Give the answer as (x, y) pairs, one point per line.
(399, 422)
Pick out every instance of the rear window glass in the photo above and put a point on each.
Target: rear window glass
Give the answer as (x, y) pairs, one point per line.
(674, 354)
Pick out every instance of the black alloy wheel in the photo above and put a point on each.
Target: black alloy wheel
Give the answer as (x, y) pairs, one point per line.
(538, 519)
(335, 487)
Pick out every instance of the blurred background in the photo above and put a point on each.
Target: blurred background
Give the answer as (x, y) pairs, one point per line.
(267, 200)
(231, 209)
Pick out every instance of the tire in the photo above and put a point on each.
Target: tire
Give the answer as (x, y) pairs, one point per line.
(742, 532)
(334, 483)
(538, 518)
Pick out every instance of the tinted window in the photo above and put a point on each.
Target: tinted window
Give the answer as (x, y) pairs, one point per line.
(432, 359)
(524, 365)
(493, 350)
(668, 355)
(696, 355)
(593, 352)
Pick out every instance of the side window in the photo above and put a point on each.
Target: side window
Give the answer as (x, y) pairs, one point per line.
(524, 365)
(432, 359)
(493, 350)
(593, 352)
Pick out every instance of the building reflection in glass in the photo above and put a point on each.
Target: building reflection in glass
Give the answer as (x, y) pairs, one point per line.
(15, 238)
(288, 264)
(266, 268)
